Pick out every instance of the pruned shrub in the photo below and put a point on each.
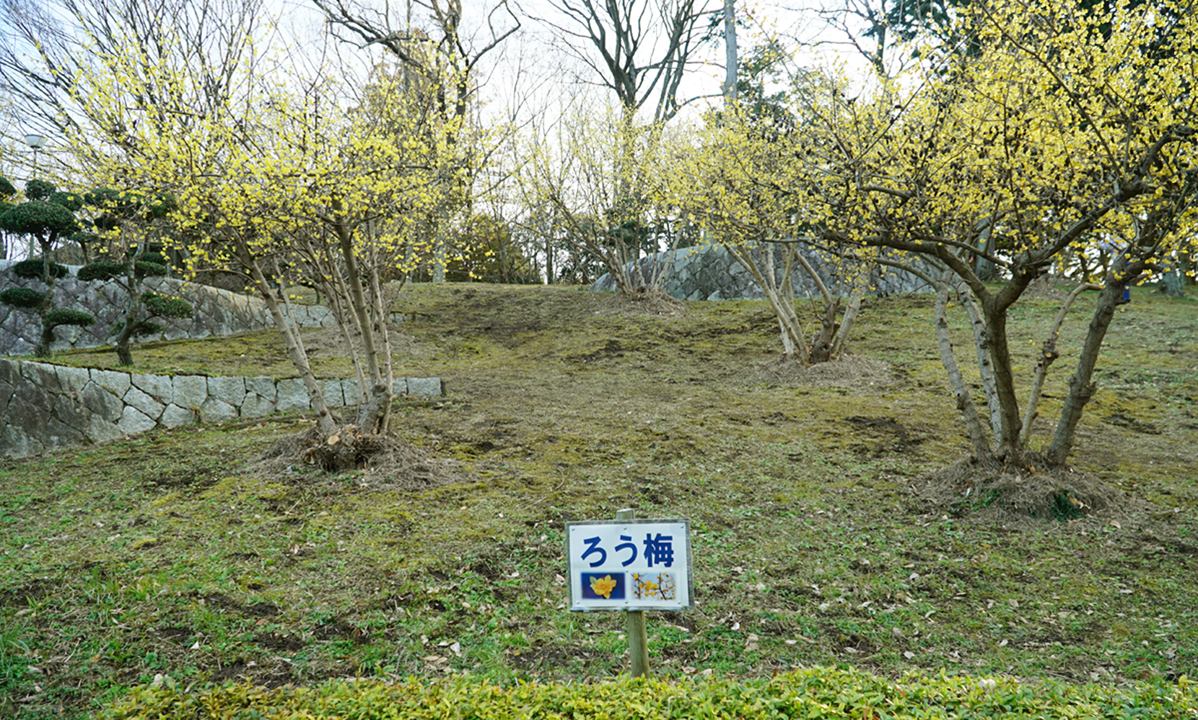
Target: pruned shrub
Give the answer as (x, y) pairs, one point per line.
(107, 270)
(23, 298)
(67, 316)
(815, 693)
(144, 268)
(167, 306)
(33, 269)
(103, 270)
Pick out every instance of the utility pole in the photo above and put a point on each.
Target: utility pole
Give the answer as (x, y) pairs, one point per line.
(730, 54)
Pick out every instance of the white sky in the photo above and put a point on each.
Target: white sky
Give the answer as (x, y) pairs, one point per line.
(531, 71)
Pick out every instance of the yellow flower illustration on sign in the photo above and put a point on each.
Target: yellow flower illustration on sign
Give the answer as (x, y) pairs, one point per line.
(603, 586)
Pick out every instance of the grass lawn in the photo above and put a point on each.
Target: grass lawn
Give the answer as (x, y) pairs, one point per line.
(169, 554)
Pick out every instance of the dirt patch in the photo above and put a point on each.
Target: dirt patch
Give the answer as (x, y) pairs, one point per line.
(967, 488)
(339, 630)
(26, 593)
(330, 341)
(846, 371)
(1132, 424)
(280, 643)
(886, 435)
(385, 462)
(648, 302)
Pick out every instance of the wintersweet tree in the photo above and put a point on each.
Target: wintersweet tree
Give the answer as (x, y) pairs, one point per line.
(601, 174)
(717, 178)
(290, 178)
(441, 50)
(1060, 131)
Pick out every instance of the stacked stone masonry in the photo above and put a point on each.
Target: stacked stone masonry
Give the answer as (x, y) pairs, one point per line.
(46, 407)
(218, 312)
(711, 273)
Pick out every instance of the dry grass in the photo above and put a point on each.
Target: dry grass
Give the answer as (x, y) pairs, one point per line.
(175, 553)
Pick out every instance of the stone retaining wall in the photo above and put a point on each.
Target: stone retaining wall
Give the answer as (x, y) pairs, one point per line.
(711, 273)
(218, 312)
(46, 407)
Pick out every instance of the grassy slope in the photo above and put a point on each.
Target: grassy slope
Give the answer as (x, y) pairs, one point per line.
(160, 555)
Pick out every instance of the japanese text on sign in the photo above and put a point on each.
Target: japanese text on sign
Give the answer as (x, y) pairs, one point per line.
(629, 565)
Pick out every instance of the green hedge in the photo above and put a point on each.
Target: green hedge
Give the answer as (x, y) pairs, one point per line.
(105, 270)
(67, 316)
(816, 694)
(23, 298)
(33, 269)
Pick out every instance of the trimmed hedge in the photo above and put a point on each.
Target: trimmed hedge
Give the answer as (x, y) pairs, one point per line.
(106, 270)
(67, 316)
(33, 269)
(814, 693)
(23, 298)
(102, 270)
(167, 306)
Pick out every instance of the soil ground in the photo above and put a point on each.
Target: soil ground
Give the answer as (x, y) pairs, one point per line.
(820, 533)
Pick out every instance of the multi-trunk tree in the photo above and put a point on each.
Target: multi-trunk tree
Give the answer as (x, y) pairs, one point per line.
(603, 183)
(1059, 131)
(292, 178)
(441, 49)
(718, 185)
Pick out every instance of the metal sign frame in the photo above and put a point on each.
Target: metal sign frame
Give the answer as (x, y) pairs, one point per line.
(638, 542)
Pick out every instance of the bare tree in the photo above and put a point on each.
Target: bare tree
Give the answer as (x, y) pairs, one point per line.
(45, 47)
(438, 51)
(864, 25)
(639, 49)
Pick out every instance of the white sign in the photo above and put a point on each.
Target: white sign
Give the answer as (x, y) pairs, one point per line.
(630, 565)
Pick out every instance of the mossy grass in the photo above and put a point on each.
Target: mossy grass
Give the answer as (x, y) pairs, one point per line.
(163, 554)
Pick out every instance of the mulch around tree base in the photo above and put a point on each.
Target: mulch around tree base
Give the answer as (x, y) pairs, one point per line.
(1023, 495)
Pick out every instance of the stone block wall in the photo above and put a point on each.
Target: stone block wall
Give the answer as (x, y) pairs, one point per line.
(711, 273)
(47, 407)
(218, 312)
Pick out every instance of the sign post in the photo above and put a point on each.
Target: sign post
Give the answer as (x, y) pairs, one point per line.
(634, 621)
(631, 565)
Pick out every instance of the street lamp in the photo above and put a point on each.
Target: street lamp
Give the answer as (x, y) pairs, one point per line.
(37, 142)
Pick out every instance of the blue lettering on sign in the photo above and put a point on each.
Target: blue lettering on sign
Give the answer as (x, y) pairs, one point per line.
(627, 545)
(659, 549)
(592, 548)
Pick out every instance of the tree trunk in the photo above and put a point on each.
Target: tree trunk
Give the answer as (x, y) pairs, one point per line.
(1081, 385)
(370, 415)
(325, 422)
(793, 341)
(124, 355)
(42, 349)
(1048, 354)
(549, 269)
(849, 317)
(994, 310)
(973, 424)
(730, 51)
(822, 344)
(985, 365)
